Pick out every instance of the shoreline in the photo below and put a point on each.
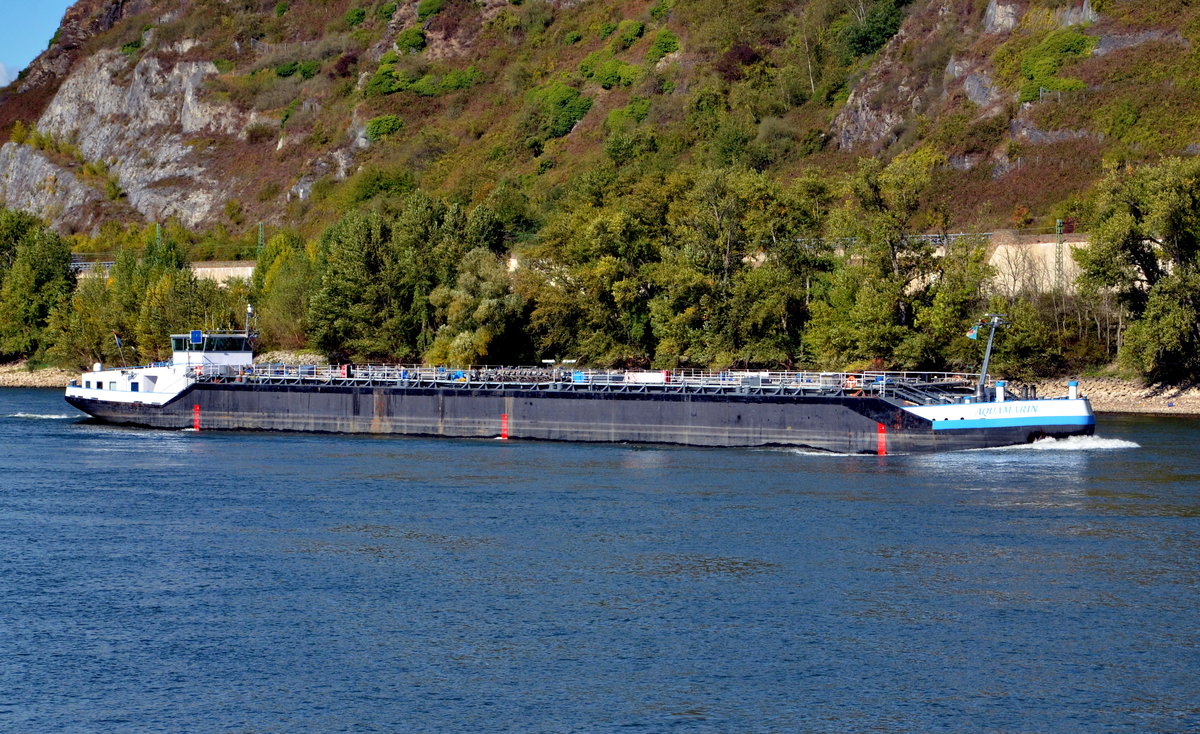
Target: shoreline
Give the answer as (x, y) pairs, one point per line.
(1128, 397)
(17, 374)
(1107, 394)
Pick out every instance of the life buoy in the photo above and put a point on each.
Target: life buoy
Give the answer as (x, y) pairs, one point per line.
(199, 370)
(343, 372)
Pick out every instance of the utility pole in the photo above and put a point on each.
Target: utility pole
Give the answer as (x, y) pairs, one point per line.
(1058, 256)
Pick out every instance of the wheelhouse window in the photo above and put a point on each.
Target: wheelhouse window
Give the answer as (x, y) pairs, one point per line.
(210, 343)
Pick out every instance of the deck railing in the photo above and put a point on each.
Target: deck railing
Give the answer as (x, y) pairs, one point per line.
(914, 387)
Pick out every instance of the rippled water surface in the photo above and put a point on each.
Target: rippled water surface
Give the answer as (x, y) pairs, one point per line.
(182, 581)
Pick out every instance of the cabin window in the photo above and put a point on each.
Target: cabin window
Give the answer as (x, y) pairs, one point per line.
(223, 343)
(87, 384)
(112, 386)
(133, 387)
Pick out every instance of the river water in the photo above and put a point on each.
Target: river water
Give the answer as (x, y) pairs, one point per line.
(208, 581)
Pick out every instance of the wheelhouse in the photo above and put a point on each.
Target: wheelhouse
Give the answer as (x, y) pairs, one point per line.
(204, 348)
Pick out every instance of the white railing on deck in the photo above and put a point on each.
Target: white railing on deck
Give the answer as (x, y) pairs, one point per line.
(871, 381)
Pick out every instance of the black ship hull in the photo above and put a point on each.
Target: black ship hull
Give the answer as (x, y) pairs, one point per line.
(843, 424)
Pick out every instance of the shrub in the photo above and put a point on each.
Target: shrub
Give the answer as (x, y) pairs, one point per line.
(345, 64)
(410, 40)
(268, 192)
(557, 107)
(665, 42)
(660, 10)
(355, 16)
(1040, 64)
(234, 212)
(223, 65)
(730, 63)
(623, 118)
(287, 69)
(19, 132)
(461, 79)
(259, 132)
(428, 8)
(426, 86)
(389, 77)
(131, 48)
(867, 37)
(309, 69)
(638, 108)
(113, 190)
(617, 73)
(628, 32)
(281, 9)
(287, 113)
(373, 182)
(381, 127)
(592, 62)
(606, 29)
(572, 38)
(386, 11)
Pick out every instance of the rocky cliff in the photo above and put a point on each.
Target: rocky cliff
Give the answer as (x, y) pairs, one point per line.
(220, 113)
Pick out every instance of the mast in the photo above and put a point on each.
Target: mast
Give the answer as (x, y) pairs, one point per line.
(997, 320)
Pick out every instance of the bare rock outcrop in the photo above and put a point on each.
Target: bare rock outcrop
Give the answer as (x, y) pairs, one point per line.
(136, 116)
(32, 182)
(1000, 17)
(890, 93)
(84, 19)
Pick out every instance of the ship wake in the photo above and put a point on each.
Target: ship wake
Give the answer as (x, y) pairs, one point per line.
(43, 416)
(1071, 443)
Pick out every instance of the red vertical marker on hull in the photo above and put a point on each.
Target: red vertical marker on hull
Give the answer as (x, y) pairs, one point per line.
(881, 446)
(196, 417)
(504, 426)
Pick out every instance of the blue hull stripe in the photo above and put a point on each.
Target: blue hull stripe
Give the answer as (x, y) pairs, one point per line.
(1031, 421)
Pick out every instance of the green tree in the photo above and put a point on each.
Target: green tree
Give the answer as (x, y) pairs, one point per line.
(144, 301)
(957, 297)
(480, 315)
(283, 282)
(380, 271)
(346, 313)
(80, 331)
(753, 248)
(15, 227)
(1145, 246)
(885, 277)
(39, 279)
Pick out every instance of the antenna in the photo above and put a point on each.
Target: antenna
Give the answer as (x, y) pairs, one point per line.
(121, 347)
(249, 317)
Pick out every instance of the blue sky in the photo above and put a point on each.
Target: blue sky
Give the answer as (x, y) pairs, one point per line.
(25, 31)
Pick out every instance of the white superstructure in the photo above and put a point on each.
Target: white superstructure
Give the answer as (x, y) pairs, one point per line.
(192, 355)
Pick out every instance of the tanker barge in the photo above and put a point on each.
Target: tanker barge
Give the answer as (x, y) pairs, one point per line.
(212, 382)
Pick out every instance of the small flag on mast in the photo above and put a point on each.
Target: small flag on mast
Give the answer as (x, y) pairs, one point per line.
(973, 332)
